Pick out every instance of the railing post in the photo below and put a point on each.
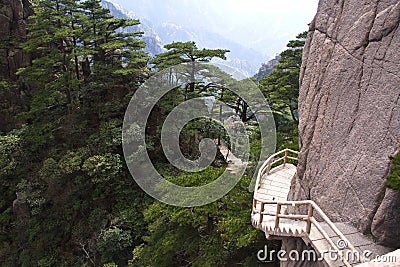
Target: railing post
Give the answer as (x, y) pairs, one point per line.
(261, 212)
(285, 159)
(278, 212)
(268, 168)
(309, 215)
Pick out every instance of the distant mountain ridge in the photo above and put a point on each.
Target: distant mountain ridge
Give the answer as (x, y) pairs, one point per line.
(266, 68)
(158, 33)
(153, 42)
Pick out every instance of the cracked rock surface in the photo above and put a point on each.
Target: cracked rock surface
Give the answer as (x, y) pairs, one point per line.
(13, 20)
(13, 16)
(349, 108)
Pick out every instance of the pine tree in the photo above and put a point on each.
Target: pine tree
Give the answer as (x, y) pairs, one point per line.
(186, 52)
(112, 48)
(281, 86)
(51, 38)
(83, 206)
(281, 89)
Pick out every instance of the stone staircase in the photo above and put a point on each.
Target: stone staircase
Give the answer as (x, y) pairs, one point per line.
(337, 244)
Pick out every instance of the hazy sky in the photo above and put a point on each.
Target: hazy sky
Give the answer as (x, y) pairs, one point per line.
(265, 25)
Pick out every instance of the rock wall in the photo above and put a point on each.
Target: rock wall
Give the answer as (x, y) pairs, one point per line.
(13, 97)
(350, 114)
(13, 15)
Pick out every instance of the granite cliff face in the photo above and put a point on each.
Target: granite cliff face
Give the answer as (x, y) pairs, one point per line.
(350, 114)
(266, 68)
(13, 15)
(13, 18)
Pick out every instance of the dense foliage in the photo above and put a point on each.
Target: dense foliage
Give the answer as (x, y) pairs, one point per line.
(67, 196)
(76, 203)
(218, 234)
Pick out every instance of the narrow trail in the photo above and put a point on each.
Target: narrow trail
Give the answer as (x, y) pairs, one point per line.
(235, 165)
